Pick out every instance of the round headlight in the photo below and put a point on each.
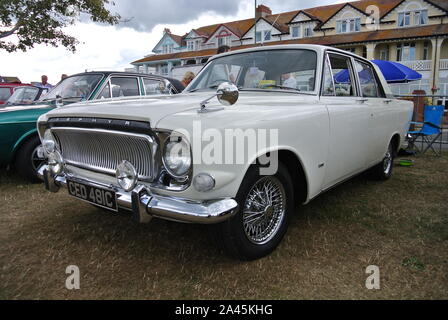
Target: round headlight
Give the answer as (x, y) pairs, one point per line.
(126, 175)
(177, 157)
(48, 142)
(55, 162)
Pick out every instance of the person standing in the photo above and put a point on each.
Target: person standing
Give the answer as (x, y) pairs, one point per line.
(188, 77)
(44, 83)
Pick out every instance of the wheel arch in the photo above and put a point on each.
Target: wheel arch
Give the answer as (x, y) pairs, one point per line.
(396, 142)
(295, 167)
(21, 141)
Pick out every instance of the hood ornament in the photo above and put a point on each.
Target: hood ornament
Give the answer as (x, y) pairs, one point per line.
(227, 94)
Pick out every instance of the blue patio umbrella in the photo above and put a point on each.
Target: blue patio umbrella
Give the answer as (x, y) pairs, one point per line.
(394, 72)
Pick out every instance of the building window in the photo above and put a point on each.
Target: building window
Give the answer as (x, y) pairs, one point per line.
(426, 50)
(420, 17)
(295, 31)
(308, 31)
(223, 41)
(384, 54)
(167, 48)
(348, 25)
(266, 36)
(197, 45)
(190, 45)
(406, 52)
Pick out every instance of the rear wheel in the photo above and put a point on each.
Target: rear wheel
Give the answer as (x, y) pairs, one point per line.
(383, 170)
(263, 217)
(28, 160)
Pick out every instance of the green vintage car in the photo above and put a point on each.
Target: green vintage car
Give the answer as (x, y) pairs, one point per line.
(19, 141)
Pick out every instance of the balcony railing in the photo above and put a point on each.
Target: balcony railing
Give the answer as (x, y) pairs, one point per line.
(418, 65)
(444, 64)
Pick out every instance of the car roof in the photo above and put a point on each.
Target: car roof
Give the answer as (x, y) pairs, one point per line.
(176, 83)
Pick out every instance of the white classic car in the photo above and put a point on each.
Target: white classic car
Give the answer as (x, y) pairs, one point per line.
(255, 131)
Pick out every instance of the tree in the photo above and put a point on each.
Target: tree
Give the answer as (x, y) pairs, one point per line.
(30, 22)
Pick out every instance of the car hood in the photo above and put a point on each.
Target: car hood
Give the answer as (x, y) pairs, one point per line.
(156, 108)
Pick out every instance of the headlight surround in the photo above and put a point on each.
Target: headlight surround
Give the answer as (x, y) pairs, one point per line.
(49, 142)
(177, 157)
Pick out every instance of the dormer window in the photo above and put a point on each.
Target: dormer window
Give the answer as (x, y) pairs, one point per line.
(223, 41)
(266, 36)
(308, 31)
(348, 25)
(167, 48)
(190, 45)
(417, 18)
(421, 17)
(295, 32)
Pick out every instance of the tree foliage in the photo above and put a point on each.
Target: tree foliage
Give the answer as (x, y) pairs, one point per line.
(25, 23)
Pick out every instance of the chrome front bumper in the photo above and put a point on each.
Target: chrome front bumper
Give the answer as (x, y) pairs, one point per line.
(146, 205)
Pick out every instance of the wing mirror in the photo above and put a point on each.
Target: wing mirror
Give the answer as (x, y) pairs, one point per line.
(227, 94)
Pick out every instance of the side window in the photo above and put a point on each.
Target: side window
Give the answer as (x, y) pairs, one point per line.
(124, 87)
(105, 93)
(153, 87)
(344, 84)
(370, 88)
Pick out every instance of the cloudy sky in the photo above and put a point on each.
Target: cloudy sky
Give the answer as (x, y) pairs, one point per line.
(114, 47)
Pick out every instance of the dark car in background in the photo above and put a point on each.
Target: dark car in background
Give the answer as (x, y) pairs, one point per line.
(19, 140)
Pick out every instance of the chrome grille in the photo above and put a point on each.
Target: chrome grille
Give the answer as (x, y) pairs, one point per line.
(103, 150)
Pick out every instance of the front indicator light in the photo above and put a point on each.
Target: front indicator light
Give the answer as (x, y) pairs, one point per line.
(203, 182)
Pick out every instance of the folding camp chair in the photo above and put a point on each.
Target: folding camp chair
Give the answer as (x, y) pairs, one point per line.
(430, 131)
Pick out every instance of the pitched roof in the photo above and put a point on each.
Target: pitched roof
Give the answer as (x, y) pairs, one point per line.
(340, 39)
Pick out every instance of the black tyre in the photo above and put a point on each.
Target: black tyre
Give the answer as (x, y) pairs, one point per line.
(383, 170)
(266, 202)
(27, 160)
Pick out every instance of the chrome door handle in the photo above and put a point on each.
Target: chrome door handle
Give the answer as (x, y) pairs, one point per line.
(362, 100)
(388, 101)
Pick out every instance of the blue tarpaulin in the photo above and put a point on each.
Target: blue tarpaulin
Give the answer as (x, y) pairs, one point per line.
(394, 72)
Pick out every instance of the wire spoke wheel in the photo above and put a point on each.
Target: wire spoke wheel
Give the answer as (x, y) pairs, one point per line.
(264, 210)
(387, 163)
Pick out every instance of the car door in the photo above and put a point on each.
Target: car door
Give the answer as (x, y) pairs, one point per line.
(348, 140)
(381, 115)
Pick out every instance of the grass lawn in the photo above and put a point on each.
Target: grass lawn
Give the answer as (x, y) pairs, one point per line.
(400, 225)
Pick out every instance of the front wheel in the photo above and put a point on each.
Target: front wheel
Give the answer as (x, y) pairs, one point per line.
(28, 160)
(383, 170)
(266, 203)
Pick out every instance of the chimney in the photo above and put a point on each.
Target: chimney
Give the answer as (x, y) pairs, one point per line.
(166, 30)
(262, 11)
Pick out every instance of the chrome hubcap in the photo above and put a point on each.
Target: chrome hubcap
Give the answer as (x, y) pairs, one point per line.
(387, 163)
(264, 210)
